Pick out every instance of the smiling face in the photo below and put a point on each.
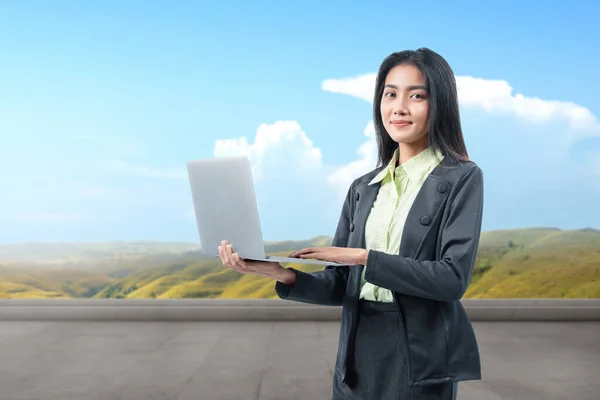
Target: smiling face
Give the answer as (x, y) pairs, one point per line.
(405, 107)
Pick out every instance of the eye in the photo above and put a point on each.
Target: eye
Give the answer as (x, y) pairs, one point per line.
(418, 96)
(389, 94)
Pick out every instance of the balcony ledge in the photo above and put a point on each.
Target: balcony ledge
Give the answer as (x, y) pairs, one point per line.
(271, 310)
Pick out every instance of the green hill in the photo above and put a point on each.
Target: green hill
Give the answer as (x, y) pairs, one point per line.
(88, 253)
(205, 277)
(525, 263)
(538, 263)
(23, 282)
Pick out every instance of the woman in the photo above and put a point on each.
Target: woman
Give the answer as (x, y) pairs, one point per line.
(409, 232)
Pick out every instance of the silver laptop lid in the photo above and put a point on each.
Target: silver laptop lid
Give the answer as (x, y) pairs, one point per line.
(225, 205)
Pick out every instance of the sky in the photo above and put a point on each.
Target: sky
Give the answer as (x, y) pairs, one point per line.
(103, 102)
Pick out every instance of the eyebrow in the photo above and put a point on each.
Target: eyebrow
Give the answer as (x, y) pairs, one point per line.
(414, 87)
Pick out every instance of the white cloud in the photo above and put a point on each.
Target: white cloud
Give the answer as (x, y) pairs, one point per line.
(494, 96)
(497, 95)
(362, 86)
(490, 96)
(280, 150)
(342, 177)
(283, 150)
(280, 146)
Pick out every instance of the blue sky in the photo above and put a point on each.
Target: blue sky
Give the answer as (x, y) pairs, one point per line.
(102, 103)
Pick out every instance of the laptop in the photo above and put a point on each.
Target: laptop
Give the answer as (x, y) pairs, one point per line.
(225, 207)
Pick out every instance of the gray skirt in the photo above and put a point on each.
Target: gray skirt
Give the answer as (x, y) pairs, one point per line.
(379, 364)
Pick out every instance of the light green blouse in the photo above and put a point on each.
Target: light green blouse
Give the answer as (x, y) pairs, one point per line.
(384, 226)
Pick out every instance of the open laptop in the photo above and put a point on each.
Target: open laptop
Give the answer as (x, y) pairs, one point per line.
(225, 207)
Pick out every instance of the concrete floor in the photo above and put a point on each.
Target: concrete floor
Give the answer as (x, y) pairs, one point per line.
(280, 360)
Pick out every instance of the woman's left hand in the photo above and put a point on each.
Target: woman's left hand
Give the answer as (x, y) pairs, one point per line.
(342, 255)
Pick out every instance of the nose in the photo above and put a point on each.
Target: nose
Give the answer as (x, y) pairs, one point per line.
(399, 107)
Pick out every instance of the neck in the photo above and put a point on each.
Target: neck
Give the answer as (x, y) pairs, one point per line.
(409, 150)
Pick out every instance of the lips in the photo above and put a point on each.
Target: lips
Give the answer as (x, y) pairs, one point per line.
(401, 123)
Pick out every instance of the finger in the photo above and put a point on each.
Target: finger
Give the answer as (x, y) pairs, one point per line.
(239, 263)
(234, 259)
(297, 252)
(226, 254)
(229, 252)
(220, 248)
(316, 255)
(312, 254)
(231, 257)
(308, 250)
(245, 267)
(302, 251)
(236, 265)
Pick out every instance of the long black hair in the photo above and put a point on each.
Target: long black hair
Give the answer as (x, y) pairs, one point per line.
(443, 127)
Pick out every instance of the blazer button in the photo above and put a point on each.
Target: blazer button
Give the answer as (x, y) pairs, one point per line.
(425, 220)
(442, 187)
(357, 196)
(351, 226)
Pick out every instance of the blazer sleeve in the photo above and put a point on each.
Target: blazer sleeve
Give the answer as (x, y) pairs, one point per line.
(328, 286)
(445, 280)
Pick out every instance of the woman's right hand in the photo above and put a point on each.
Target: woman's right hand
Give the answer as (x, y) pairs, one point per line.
(273, 270)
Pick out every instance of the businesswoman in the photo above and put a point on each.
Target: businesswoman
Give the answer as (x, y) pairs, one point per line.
(409, 232)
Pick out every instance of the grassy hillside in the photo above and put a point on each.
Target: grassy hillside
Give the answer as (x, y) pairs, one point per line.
(87, 253)
(538, 263)
(526, 263)
(20, 282)
(205, 278)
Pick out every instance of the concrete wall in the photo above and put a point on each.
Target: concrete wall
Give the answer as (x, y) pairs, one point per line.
(271, 310)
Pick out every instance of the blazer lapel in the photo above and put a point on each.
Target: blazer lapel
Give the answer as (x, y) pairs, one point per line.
(364, 198)
(429, 200)
(422, 214)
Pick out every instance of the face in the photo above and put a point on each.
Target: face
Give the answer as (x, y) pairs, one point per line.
(405, 106)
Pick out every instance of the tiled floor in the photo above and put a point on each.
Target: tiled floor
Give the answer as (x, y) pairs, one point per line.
(267, 361)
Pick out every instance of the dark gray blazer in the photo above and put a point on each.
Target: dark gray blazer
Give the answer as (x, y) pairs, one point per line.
(427, 278)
